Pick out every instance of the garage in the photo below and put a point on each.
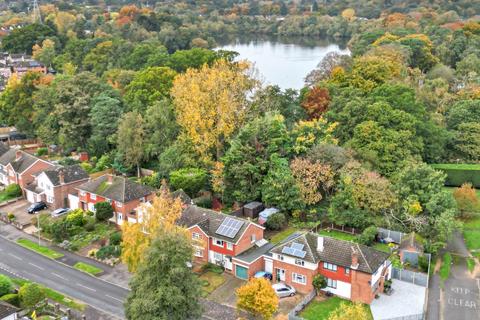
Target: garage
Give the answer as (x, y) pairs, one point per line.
(30, 196)
(241, 272)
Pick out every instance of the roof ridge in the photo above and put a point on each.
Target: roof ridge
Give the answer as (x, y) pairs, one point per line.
(361, 252)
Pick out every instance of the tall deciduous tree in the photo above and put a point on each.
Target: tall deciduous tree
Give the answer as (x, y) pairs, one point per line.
(316, 102)
(164, 287)
(467, 200)
(131, 139)
(45, 53)
(157, 217)
(257, 296)
(210, 105)
(312, 179)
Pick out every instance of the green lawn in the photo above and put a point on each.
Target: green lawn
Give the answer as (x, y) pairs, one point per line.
(47, 252)
(210, 281)
(461, 166)
(320, 310)
(54, 295)
(87, 268)
(382, 247)
(283, 234)
(471, 233)
(470, 264)
(4, 196)
(445, 267)
(338, 235)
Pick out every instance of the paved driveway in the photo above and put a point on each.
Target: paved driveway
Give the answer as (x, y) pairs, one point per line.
(225, 294)
(19, 209)
(407, 300)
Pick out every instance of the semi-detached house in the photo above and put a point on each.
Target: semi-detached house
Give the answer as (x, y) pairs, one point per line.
(218, 238)
(124, 195)
(353, 271)
(17, 166)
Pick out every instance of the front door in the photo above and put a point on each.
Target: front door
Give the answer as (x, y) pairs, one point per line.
(279, 274)
(227, 262)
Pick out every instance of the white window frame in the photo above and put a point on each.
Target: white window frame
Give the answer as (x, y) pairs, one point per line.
(331, 283)
(118, 204)
(119, 216)
(229, 246)
(347, 270)
(198, 252)
(297, 276)
(50, 199)
(280, 257)
(253, 238)
(215, 240)
(330, 266)
(82, 193)
(93, 196)
(196, 236)
(48, 187)
(299, 262)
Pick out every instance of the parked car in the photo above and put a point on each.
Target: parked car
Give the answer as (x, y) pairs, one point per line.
(59, 212)
(284, 290)
(37, 206)
(264, 274)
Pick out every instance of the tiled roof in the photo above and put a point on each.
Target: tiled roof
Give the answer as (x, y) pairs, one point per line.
(71, 174)
(120, 189)
(336, 251)
(3, 148)
(209, 221)
(7, 309)
(20, 165)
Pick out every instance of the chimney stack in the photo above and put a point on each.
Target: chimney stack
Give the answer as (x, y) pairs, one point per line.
(354, 259)
(18, 154)
(110, 178)
(320, 244)
(61, 176)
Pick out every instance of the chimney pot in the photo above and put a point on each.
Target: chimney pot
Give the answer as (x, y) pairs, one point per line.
(61, 176)
(110, 178)
(18, 154)
(320, 244)
(354, 259)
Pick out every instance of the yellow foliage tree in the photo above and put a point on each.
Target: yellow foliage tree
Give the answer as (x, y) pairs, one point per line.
(64, 21)
(346, 311)
(348, 14)
(258, 297)
(158, 216)
(210, 105)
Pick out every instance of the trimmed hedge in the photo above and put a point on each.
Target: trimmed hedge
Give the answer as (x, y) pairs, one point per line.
(458, 174)
(11, 298)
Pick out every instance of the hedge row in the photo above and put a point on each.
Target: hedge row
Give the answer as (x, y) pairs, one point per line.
(459, 174)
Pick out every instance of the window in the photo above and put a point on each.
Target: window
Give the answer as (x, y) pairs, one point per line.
(299, 278)
(93, 196)
(253, 238)
(330, 266)
(41, 185)
(109, 201)
(196, 236)
(347, 270)
(217, 257)
(280, 257)
(299, 262)
(198, 252)
(331, 283)
(229, 246)
(49, 187)
(118, 204)
(82, 193)
(142, 199)
(49, 199)
(91, 207)
(218, 242)
(120, 217)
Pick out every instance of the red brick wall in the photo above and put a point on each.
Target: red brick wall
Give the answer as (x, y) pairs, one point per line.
(254, 267)
(361, 289)
(245, 242)
(203, 242)
(61, 193)
(289, 269)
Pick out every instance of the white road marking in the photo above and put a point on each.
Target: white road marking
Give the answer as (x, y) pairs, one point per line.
(80, 285)
(36, 266)
(59, 276)
(16, 257)
(114, 298)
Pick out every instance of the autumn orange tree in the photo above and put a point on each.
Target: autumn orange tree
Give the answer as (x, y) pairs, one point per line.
(467, 200)
(258, 297)
(210, 105)
(316, 102)
(155, 217)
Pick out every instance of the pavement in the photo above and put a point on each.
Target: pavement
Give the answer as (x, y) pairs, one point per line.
(458, 298)
(407, 300)
(23, 263)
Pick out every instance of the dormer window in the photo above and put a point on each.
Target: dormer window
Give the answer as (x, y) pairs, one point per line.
(93, 196)
(299, 262)
(280, 257)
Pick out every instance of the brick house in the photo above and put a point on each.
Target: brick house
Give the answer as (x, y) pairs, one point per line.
(53, 186)
(218, 237)
(123, 194)
(353, 271)
(17, 166)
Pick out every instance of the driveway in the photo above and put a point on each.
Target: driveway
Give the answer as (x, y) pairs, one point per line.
(225, 294)
(19, 209)
(407, 300)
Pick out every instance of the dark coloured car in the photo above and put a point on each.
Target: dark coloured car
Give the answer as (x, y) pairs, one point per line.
(37, 206)
(264, 274)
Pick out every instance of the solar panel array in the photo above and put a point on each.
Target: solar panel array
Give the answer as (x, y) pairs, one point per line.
(229, 228)
(295, 249)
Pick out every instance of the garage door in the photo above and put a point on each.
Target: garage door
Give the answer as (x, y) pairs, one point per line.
(30, 197)
(241, 272)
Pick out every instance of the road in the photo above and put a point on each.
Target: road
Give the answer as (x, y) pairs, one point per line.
(18, 261)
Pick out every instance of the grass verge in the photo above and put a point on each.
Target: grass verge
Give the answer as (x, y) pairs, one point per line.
(44, 251)
(445, 267)
(85, 267)
(470, 264)
(54, 295)
(320, 310)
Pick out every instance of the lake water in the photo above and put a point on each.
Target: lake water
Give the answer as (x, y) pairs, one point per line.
(282, 61)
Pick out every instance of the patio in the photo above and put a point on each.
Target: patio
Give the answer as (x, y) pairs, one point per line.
(407, 300)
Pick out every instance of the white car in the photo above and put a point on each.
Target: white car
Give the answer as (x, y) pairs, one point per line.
(284, 290)
(59, 212)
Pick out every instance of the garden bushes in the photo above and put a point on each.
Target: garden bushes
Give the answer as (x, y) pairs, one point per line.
(190, 180)
(13, 190)
(459, 174)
